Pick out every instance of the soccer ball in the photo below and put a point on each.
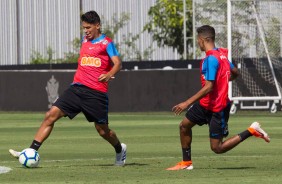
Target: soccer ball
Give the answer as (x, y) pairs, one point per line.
(29, 158)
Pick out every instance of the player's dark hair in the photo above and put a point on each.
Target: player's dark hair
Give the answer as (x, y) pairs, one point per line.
(90, 17)
(206, 32)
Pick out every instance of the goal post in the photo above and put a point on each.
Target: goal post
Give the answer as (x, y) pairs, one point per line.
(254, 33)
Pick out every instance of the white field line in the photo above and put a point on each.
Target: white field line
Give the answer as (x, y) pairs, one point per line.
(149, 158)
(4, 169)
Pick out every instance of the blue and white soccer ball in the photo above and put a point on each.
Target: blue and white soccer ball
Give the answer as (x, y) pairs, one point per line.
(29, 158)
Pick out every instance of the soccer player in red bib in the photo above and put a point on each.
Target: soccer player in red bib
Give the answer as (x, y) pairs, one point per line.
(211, 105)
(98, 63)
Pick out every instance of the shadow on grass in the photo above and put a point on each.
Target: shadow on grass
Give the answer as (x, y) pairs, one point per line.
(126, 165)
(227, 168)
(235, 168)
(92, 165)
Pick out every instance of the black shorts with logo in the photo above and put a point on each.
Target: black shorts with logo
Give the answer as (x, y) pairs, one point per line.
(78, 98)
(217, 121)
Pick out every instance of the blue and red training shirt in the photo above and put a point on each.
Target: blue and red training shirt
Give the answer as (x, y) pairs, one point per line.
(216, 67)
(94, 60)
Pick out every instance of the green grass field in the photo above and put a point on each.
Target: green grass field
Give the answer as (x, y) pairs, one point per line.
(75, 153)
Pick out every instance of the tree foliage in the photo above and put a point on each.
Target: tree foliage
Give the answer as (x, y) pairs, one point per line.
(38, 58)
(273, 37)
(166, 23)
(127, 46)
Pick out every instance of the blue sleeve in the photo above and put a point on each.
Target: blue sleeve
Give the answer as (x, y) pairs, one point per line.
(210, 67)
(231, 65)
(111, 50)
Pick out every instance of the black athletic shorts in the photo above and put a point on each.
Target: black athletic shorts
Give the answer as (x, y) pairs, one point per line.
(78, 98)
(217, 121)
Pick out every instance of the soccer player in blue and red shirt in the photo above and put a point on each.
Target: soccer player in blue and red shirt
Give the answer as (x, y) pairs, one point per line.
(98, 63)
(211, 105)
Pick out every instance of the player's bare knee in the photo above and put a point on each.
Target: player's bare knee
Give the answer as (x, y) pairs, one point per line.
(49, 118)
(104, 133)
(217, 149)
(181, 127)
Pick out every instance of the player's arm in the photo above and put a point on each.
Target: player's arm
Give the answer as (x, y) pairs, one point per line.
(113, 53)
(117, 66)
(234, 74)
(200, 94)
(115, 69)
(209, 71)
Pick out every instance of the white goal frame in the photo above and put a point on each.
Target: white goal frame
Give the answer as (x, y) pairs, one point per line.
(274, 100)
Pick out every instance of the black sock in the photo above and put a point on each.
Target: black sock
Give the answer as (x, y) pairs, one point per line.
(244, 135)
(186, 153)
(35, 145)
(118, 147)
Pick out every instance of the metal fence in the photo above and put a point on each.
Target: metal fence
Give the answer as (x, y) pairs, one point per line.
(29, 26)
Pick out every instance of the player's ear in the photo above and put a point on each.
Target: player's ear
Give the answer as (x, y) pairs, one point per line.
(98, 26)
(208, 39)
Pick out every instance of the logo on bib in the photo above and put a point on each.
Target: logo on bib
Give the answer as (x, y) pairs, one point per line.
(90, 61)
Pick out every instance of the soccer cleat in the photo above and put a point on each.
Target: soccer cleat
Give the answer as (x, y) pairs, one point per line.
(181, 165)
(257, 131)
(14, 153)
(121, 157)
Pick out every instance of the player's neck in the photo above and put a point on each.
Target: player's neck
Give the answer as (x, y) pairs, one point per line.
(96, 36)
(209, 47)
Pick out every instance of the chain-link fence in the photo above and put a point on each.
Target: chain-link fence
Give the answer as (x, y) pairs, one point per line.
(255, 43)
(256, 48)
(213, 13)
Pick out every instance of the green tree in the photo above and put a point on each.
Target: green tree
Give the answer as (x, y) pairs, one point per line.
(72, 56)
(273, 37)
(128, 45)
(166, 23)
(216, 15)
(38, 58)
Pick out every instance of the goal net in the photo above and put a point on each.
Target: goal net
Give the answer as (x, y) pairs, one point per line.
(254, 40)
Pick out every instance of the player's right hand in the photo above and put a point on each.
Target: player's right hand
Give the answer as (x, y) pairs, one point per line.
(179, 108)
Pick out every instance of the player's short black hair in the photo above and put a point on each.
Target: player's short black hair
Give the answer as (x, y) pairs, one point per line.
(206, 31)
(90, 17)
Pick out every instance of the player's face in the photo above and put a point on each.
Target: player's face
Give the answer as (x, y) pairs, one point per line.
(91, 31)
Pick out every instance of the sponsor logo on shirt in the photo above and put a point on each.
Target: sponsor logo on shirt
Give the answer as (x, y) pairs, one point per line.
(222, 57)
(105, 42)
(90, 61)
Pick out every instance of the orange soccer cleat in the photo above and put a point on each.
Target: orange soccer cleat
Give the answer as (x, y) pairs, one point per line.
(257, 131)
(181, 165)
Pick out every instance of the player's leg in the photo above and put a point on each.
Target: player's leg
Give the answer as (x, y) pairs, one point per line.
(219, 129)
(47, 125)
(195, 114)
(95, 109)
(110, 136)
(67, 104)
(219, 146)
(185, 132)
(44, 130)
